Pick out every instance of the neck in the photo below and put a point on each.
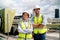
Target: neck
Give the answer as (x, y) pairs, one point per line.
(37, 15)
(25, 19)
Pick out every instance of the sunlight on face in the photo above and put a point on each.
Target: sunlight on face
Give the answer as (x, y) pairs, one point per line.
(37, 11)
(25, 16)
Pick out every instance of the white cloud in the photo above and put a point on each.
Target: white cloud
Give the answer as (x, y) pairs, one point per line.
(19, 5)
(47, 6)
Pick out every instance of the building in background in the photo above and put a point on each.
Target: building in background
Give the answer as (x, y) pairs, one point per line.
(56, 13)
(54, 22)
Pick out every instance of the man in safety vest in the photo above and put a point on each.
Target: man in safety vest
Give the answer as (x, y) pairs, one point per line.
(25, 27)
(39, 24)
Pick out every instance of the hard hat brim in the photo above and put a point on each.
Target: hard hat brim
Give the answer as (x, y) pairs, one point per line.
(37, 8)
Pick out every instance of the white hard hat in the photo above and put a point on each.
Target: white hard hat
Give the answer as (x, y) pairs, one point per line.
(26, 11)
(37, 7)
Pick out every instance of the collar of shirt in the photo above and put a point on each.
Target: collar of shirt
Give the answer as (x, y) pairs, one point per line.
(26, 20)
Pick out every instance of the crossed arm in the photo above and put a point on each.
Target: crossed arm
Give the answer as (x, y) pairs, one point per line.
(38, 25)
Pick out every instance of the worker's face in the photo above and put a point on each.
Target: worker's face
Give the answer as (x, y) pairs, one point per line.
(36, 11)
(25, 16)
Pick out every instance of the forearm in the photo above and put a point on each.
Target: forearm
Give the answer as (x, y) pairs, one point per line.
(20, 30)
(28, 30)
(41, 26)
(35, 25)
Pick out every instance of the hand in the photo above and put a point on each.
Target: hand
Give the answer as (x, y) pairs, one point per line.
(28, 30)
(35, 25)
(41, 26)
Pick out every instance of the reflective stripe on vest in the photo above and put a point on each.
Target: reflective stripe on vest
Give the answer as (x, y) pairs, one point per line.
(23, 26)
(41, 31)
(22, 36)
(39, 21)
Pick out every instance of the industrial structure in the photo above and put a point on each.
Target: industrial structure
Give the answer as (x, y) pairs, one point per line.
(7, 17)
(54, 23)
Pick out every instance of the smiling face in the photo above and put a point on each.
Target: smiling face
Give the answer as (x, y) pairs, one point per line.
(37, 11)
(25, 15)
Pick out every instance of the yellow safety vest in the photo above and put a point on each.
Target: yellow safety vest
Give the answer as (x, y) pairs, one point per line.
(23, 25)
(39, 21)
(22, 35)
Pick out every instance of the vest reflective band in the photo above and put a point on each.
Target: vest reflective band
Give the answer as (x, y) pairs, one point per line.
(41, 31)
(39, 21)
(22, 35)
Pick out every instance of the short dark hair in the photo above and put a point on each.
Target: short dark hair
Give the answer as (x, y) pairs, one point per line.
(26, 13)
(37, 8)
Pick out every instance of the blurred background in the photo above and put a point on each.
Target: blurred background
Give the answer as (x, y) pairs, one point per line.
(11, 11)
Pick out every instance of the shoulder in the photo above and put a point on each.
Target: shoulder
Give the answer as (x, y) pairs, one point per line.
(42, 15)
(29, 19)
(20, 20)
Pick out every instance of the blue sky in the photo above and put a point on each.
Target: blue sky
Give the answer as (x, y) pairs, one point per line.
(47, 6)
